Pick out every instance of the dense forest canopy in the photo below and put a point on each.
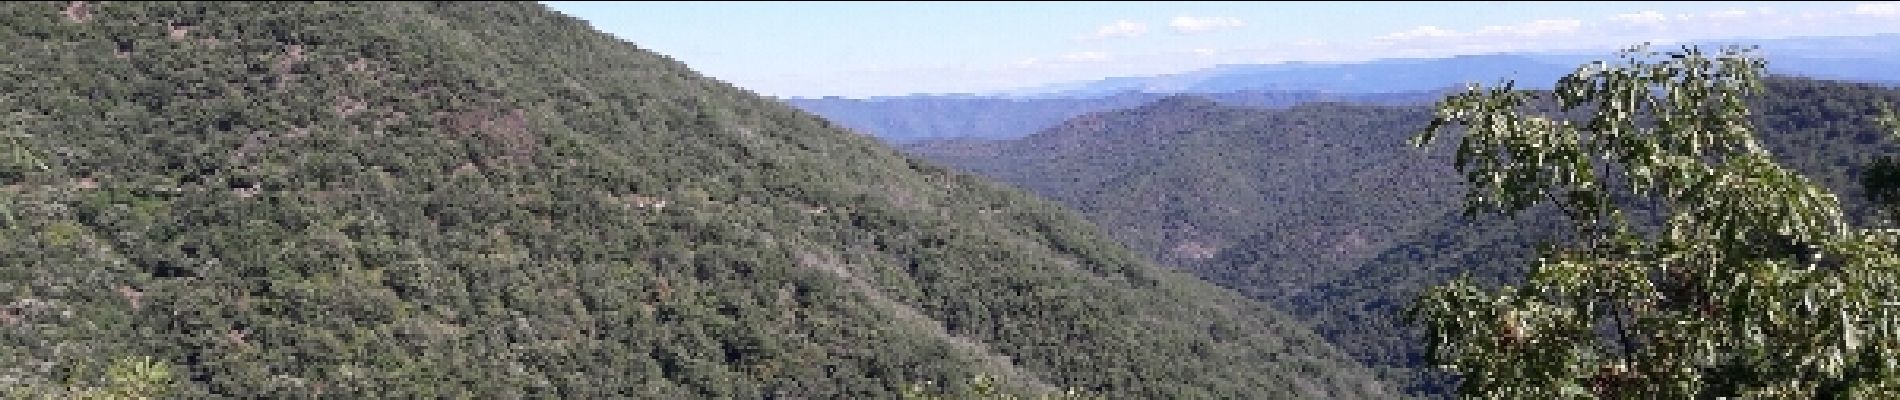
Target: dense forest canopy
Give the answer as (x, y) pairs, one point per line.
(462, 199)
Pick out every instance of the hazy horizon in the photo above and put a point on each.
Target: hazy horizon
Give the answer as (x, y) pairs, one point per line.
(872, 49)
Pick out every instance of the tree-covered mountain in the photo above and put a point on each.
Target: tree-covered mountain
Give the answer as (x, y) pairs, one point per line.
(1322, 210)
(450, 199)
(1186, 179)
(911, 119)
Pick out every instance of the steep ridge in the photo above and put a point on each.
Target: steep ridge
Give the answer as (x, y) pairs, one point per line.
(494, 200)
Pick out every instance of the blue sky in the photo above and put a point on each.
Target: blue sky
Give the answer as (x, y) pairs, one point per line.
(858, 49)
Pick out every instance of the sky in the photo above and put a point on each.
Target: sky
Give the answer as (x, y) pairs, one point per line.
(861, 49)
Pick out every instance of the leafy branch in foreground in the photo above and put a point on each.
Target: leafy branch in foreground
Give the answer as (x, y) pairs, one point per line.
(1746, 282)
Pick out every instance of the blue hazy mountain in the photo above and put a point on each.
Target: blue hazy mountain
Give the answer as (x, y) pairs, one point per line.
(1855, 58)
(916, 118)
(1017, 113)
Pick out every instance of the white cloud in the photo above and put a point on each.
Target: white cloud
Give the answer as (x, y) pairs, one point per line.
(1728, 15)
(1542, 27)
(1085, 56)
(1204, 52)
(1427, 31)
(1186, 24)
(1429, 40)
(1649, 17)
(1888, 9)
(1119, 29)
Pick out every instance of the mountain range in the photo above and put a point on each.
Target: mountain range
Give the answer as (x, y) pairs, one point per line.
(1870, 58)
(1016, 113)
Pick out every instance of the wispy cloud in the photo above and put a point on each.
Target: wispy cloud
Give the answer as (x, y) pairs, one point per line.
(1086, 56)
(1888, 9)
(1119, 29)
(1427, 31)
(1527, 30)
(1647, 18)
(1187, 24)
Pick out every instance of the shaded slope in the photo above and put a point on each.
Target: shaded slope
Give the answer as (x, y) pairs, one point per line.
(1185, 180)
(492, 200)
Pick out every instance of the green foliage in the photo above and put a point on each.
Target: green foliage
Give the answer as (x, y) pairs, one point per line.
(137, 378)
(1747, 280)
(1882, 179)
(984, 387)
(126, 378)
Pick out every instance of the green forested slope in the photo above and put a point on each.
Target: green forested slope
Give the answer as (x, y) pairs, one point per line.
(494, 200)
(1207, 186)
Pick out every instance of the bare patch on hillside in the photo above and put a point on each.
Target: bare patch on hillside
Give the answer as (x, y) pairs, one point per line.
(347, 106)
(1350, 242)
(77, 11)
(1194, 250)
(506, 129)
(359, 65)
(177, 31)
(293, 54)
(132, 296)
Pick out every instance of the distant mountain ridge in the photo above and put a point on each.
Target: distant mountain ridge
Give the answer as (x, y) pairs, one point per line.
(1853, 58)
(1017, 113)
(913, 119)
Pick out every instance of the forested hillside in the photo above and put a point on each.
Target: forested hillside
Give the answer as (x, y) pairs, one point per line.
(1189, 182)
(1321, 209)
(222, 199)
